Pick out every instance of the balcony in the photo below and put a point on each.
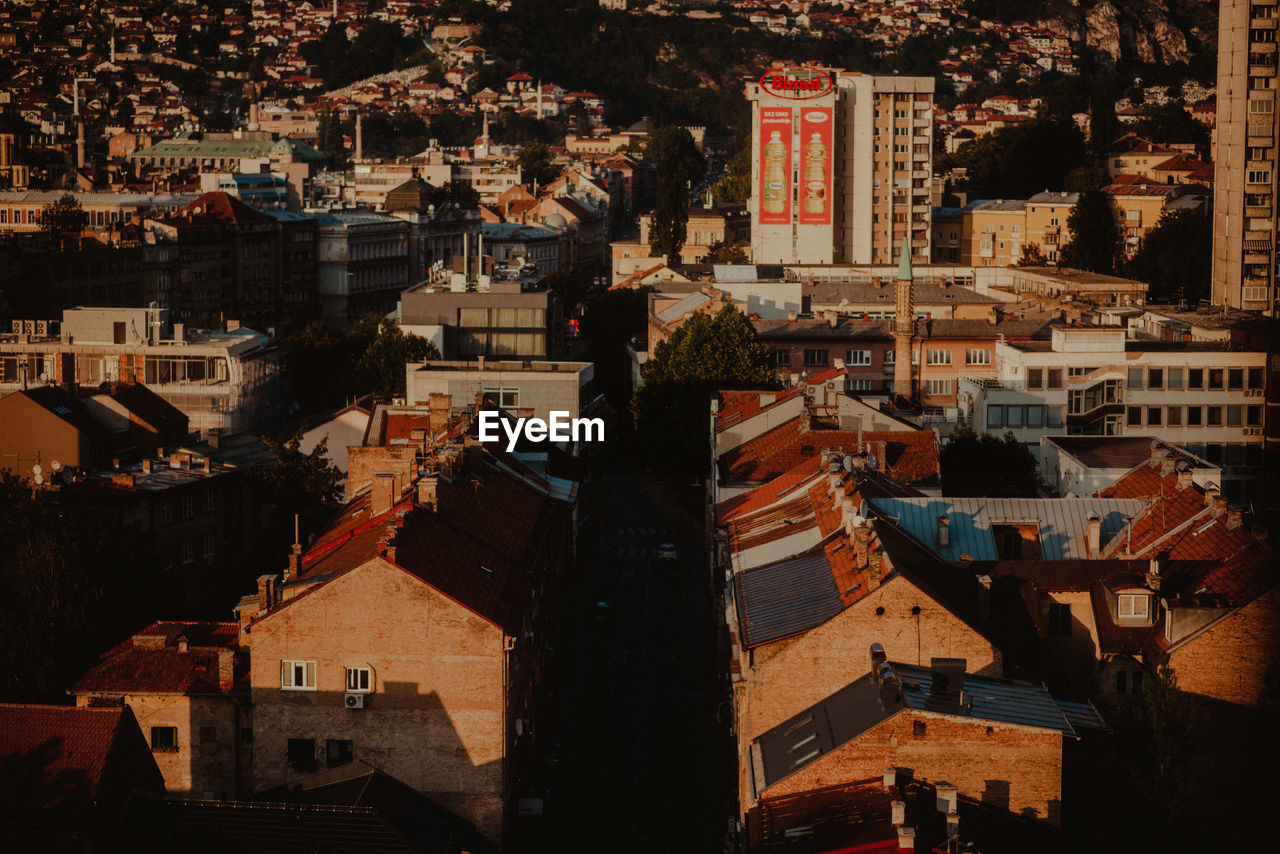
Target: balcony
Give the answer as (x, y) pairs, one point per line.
(1262, 71)
(920, 123)
(1258, 211)
(1262, 24)
(920, 173)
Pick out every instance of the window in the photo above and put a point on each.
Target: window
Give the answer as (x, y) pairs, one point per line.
(937, 388)
(298, 675)
(1155, 378)
(188, 506)
(1193, 416)
(208, 545)
(857, 385)
(1195, 378)
(1175, 416)
(338, 751)
(506, 398)
(1175, 378)
(1153, 416)
(918, 729)
(359, 679)
(1253, 416)
(977, 357)
(1135, 378)
(164, 739)
(1134, 605)
(1234, 416)
(1213, 416)
(1035, 378)
(995, 416)
(1053, 416)
(1055, 378)
(1059, 619)
(164, 513)
(814, 358)
(301, 754)
(890, 356)
(1035, 418)
(781, 357)
(858, 358)
(1235, 378)
(1134, 418)
(1255, 378)
(188, 551)
(937, 357)
(1215, 378)
(1013, 416)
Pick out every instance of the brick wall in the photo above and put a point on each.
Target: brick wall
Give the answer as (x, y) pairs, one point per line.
(790, 675)
(1211, 664)
(1010, 767)
(435, 719)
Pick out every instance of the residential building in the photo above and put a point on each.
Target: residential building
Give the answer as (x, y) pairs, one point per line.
(220, 379)
(499, 321)
(992, 232)
(543, 246)
(1081, 466)
(46, 428)
(725, 224)
(363, 264)
(525, 388)
(188, 686)
(20, 211)
(841, 165)
(1206, 397)
(1245, 169)
(439, 578)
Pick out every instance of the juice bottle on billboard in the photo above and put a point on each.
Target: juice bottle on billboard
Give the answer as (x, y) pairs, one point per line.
(775, 175)
(815, 176)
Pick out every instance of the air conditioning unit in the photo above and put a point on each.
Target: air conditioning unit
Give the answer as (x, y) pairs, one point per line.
(17, 327)
(42, 328)
(1253, 392)
(353, 701)
(1253, 431)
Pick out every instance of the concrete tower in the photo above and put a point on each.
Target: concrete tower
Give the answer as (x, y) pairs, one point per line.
(904, 324)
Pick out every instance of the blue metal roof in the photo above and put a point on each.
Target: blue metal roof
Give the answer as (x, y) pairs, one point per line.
(787, 597)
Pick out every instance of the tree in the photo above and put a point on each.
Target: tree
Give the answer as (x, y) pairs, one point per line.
(1171, 123)
(1095, 237)
(983, 466)
(678, 165)
(1082, 179)
(735, 186)
(726, 253)
(455, 193)
(1174, 258)
(64, 218)
(380, 367)
(294, 483)
(535, 164)
(1019, 161)
(706, 353)
(1032, 256)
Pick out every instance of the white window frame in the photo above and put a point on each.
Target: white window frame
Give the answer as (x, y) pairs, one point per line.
(359, 679)
(858, 358)
(1126, 606)
(977, 357)
(937, 387)
(290, 669)
(937, 357)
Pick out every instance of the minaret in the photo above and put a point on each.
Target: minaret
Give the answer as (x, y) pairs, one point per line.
(359, 136)
(80, 144)
(904, 324)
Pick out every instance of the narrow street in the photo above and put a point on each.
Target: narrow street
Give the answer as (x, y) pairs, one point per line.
(641, 761)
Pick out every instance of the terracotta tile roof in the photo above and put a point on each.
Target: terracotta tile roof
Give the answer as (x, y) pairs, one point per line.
(766, 494)
(401, 426)
(908, 456)
(1170, 507)
(62, 756)
(151, 662)
(738, 406)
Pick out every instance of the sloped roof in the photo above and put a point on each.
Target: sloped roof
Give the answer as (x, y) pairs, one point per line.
(151, 662)
(738, 406)
(910, 456)
(786, 598)
(149, 407)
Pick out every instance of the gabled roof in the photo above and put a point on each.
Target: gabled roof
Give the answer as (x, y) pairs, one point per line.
(227, 208)
(65, 406)
(908, 456)
(738, 406)
(1131, 143)
(149, 407)
(151, 662)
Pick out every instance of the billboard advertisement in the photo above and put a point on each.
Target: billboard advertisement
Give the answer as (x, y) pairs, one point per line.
(775, 166)
(817, 136)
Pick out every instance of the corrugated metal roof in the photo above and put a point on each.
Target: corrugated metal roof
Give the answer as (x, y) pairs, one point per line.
(1083, 715)
(683, 306)
(786, 598)
(1062, 522)
(985, 698)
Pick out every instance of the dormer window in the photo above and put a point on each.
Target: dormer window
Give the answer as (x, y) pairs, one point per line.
(1134, 606)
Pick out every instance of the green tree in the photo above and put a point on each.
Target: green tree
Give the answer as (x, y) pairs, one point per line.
(678, 164)
(314, 364)
(1171, 123)
(706, 353)
(983, 466)
(64, 218)
(455, 193)
(735, 186)
(1019, 161)
(1174, 258)
(726, 253)
(535, 164)
(380, 367)
(1095, 237)
(294, 483)
(1082, 179)
(1032, 256)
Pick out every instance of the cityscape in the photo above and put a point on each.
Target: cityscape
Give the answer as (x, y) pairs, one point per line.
(478, 426)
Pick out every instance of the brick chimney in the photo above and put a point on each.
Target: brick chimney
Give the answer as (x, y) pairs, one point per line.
(226, 669)
(984, 597)
(439, 405)
(266, 591)
(429, 491)
(1185, 478)
(382, 493)
(1235, 518)
(1210, 495)
(1095, 535)
(906, 838)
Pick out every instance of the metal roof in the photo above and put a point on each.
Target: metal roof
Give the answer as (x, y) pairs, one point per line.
(1063, 522)
(683, 306)
(787, 597)
(984, 698)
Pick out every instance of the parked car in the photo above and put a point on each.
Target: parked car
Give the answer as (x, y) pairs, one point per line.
(667, 551)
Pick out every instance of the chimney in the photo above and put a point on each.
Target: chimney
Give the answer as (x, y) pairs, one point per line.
(1095, 535)
(1158, 453)
(878, 656)
(182, 643)
(179, 332)
(791, 316)
(438, 406)
(946, 798)
(898, 809)
(953, 825)
(1210, 495)
(233, 325)
(875, 569)
(429, 491)
(1235, 518)
(890, 777)
(831, 319)
(1185, 478)
(944, 532)
(295, 562)
(1219, 505)
(906, 839)
(984, 597)
(226, 669)
(383, 494)
(146, 466)
(266, 591)
(179, 460)
(1153, 574)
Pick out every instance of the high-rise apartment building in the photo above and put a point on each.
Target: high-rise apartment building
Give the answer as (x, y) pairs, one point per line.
(1245, 188)
(841, 164)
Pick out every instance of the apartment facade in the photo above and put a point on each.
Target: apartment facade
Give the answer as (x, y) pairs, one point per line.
(841, 165)
(362, 261)
(1246, 173)
(522, 388)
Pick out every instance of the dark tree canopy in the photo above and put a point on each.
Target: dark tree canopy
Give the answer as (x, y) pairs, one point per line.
(296, 484)
(983, 466)
(705, 354)
(735, 186)
(1175, 257)
(64, 217)
(678, 165)
(1020, 161)
(1095, 237)
(535, 164)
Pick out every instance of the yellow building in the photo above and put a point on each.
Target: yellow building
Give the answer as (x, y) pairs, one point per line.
(1046, 223)
(1138, 207)
(1133, 155)
(992, 232)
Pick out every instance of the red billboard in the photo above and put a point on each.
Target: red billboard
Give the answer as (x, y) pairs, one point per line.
(775, 166)
(797, 82)
(817, 136)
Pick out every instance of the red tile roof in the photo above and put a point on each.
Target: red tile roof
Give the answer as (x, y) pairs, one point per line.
(151, 662)
(766, 494)
(62, 756)
(908, 456)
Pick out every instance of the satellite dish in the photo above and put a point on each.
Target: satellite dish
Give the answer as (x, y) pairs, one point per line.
(55, 466)
(871, 461)
(848, 463)
(35, 469)
(39, 479)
